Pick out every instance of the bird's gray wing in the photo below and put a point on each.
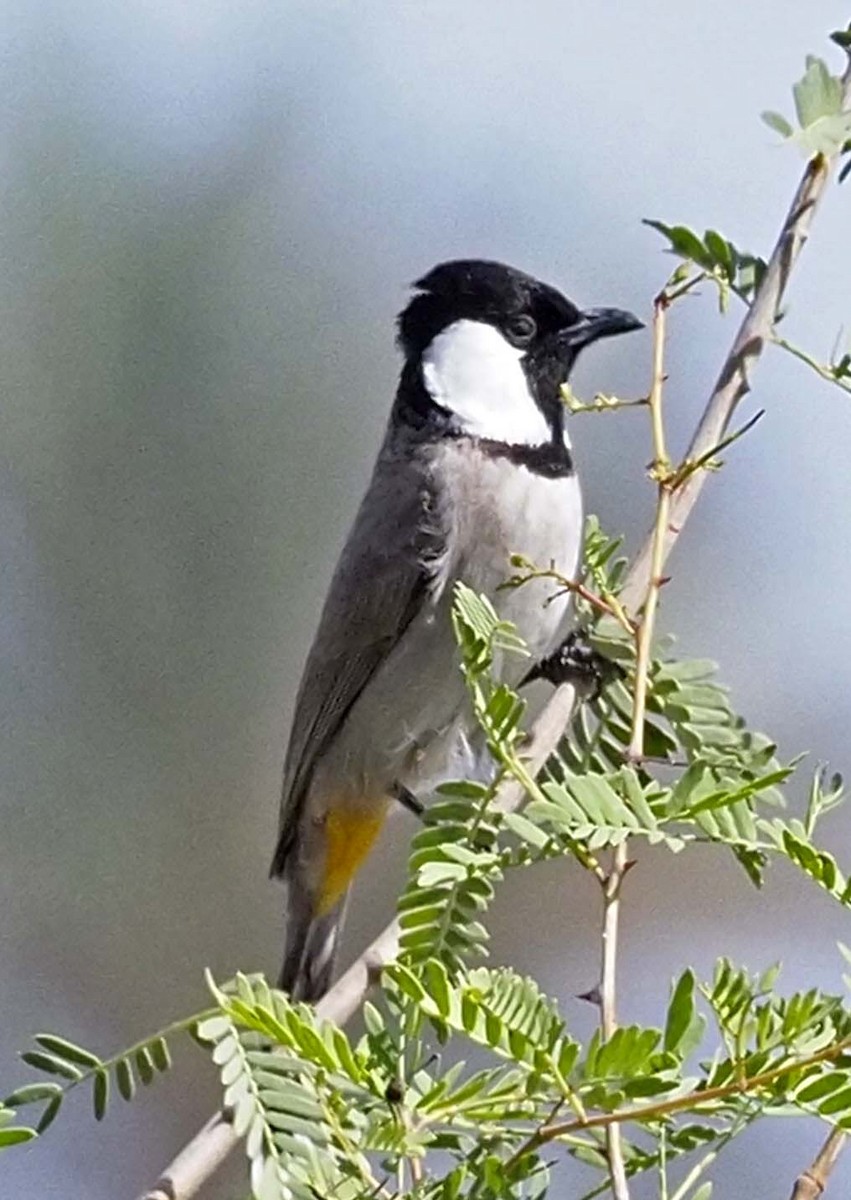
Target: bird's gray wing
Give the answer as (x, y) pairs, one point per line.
(382, 580)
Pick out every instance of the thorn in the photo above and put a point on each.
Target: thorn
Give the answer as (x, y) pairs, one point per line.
(592, 997)
(628, 865)
(641, 760)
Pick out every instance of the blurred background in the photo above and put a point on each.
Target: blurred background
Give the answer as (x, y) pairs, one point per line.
(211, 212)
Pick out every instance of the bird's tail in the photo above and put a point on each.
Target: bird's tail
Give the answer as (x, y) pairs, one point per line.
(311, 948)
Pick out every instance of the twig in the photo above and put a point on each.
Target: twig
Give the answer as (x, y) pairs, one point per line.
(606, 603)
(608, 1009)
(683, 1103)
(600, 403)
(201, 1157)
(831, 372)
(811, 1183)
(653, 583)
(690, 1101)
(644, 641)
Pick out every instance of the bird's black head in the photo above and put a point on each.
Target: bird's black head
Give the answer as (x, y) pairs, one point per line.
(491, 292)
(487, 349)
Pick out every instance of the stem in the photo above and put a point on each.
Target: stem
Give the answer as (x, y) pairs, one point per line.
(660, 305)
(608, 1005)
(182, 1025)
(606, 603)
(644, 641)
(602, 403)
(661, 464)
(827, 372)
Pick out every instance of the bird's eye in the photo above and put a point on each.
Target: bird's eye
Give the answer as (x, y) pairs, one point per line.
(521, 329)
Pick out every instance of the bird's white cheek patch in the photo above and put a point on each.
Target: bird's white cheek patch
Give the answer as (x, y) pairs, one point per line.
(474, 372)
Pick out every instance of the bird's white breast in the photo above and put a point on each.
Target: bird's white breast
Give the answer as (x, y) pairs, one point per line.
(495, 508)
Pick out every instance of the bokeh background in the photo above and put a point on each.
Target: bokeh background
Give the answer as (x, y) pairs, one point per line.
(210, 215)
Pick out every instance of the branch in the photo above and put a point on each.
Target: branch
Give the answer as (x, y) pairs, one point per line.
(207, 1150)
(644, 640)
(812, 1182)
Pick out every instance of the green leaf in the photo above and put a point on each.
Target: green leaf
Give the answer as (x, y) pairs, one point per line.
(817, 94)
(212, 1028)
(825, 136)
(778, 123)
(145, 1065)
(816, 863)
(839, 1104)
(124, 1079)
(100, 1094)
(31, 1093)
(50, 1112)
(721, 250)
(823, 1085)
(683, 242)
(67, 1050)
(681, 1019)
(14, 1135)
(160, 1054)
(51, 1064)
(435, 874)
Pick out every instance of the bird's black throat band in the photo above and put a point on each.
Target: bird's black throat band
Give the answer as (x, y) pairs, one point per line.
(553, 460)
(416, 410)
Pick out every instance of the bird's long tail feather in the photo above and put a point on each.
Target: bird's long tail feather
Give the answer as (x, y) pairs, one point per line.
(311, 950)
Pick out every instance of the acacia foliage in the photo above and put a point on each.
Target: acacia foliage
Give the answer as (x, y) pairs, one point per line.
(398, 1110)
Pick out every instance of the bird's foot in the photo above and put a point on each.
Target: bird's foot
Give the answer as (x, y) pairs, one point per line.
(576, 662)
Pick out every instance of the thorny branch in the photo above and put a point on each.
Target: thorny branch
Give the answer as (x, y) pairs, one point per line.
(201, 1157)
(660, 471)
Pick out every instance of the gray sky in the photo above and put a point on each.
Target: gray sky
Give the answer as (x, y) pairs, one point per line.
(210, 216)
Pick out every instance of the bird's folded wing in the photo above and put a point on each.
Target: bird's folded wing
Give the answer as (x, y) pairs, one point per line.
(383, 579)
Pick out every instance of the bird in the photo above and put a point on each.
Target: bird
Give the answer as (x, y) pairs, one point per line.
(475, 466)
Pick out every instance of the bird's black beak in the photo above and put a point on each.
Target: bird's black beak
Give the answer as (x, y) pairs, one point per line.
(597, 323)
